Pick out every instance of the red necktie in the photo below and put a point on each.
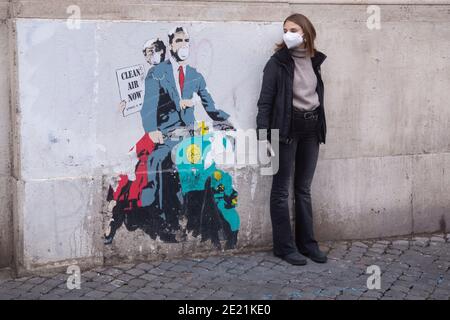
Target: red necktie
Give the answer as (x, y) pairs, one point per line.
(181, 78)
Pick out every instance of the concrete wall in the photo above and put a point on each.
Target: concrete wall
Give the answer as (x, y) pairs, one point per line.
(384, 170)
(6, 232)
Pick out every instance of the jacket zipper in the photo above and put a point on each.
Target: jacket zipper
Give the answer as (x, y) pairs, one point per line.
(289, 138)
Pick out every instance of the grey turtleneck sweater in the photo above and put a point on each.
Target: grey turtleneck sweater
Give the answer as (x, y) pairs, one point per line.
(305, 96)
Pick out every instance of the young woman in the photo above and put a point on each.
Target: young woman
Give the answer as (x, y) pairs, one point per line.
(291, 101)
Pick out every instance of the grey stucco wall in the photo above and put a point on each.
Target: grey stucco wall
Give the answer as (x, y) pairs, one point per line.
(6, 230)
(384, 170)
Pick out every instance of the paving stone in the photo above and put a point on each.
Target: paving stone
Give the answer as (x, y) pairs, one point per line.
(96, 294)
(421, 241)
(440, 239)
(24, 287)
(103, 278)
(126, 289)
(411, 269)
(148, 277)
(144, 266)
(36, 280)
(347, 297)
(41, 289)
(107, 287)
(413, 297)
(400, 243)
(139, 283)
(394, 252)
(135, 272)
(125, 266)
(51, 296)
(373, 294)
(89, 275)
(114, 272)
(375, 250)
(359, 244)
(8, 296)
(165, 265)
(115, 296)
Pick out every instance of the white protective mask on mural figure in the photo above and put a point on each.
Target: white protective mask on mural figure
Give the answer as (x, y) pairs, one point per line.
(292, 39)
(155, 59)
(183, 52)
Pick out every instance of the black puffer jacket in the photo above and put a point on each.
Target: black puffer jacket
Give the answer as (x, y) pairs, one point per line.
(275, 100)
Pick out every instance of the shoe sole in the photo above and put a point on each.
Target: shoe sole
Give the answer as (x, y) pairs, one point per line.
(318, 261)
(297, 264)
(315, 260)
(294, 264)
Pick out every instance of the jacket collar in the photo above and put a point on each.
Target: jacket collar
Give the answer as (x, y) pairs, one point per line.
(283, 56)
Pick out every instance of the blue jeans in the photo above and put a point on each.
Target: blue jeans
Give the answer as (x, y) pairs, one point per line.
(302, 153)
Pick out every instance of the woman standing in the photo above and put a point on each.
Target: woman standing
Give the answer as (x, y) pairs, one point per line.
(291, 101)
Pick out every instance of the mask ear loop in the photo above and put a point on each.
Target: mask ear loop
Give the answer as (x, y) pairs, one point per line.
(303, 37)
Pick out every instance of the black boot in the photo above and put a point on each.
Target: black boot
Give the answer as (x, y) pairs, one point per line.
(316, 256)
(293, 258)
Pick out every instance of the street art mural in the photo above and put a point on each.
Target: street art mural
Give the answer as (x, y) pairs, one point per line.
(177, 176)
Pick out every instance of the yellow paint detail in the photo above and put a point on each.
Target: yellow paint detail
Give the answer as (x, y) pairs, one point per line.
(217, 175)
(204, 128)
(193, 153)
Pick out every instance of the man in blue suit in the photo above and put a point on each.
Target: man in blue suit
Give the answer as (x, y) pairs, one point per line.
(168, 105)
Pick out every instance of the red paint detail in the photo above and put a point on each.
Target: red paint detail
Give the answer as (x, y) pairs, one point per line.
(144, 148)
(181, 78)
(123, 180)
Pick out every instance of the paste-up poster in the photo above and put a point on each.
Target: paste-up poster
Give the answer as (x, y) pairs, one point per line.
(131, 81)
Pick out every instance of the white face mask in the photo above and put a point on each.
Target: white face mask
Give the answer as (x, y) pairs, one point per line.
(155, 58)
(183, 52)
(292, 39)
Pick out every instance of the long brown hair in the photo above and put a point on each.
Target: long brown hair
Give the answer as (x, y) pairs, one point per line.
(308, 30)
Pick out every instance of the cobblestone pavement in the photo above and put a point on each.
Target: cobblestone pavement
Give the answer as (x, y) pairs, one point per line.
(416, 268)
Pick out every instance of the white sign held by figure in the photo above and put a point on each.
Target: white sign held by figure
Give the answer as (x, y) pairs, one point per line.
(131, 81)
